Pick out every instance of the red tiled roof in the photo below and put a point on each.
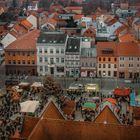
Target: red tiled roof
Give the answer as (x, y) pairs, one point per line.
(25, 42)
(69, 107)
(127, 38)
(121, 29)
(26, 24)
(122, 91)
(28, 126)
(106, 45)
(74, 8)
(128, 49)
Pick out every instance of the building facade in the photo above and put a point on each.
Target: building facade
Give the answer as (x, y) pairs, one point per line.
(21, 55)
(72, 57)
(51, 53)
(129, 60)
(88, 62)
(107, 59)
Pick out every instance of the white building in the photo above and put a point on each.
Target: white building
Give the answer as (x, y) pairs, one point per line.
(106, 26)
(33, 20)
(8, 39)
(51, 53)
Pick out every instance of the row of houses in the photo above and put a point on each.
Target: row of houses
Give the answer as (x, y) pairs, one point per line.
(55, 53)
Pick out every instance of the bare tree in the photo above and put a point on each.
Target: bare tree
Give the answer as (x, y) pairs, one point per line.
(51, 86)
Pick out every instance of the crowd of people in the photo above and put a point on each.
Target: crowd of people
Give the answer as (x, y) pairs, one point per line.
(124, 115)
(11, 117)
(8, 126)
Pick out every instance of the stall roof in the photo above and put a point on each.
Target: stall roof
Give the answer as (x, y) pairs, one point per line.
(29, 106)
(122, 91)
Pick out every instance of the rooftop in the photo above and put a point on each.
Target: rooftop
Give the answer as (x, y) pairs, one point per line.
(25, 42)
(73, 45)
(52, 38)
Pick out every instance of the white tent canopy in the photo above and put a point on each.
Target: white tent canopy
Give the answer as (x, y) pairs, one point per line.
(37, 84)
(29, 106)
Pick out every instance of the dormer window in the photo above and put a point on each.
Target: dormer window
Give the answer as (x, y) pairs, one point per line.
(43, 40)
(70, 47)
(75, 47)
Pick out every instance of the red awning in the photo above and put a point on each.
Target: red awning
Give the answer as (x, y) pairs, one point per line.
(121, 91)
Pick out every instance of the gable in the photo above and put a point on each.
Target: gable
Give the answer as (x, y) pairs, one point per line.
(107, 116)
(52, 112)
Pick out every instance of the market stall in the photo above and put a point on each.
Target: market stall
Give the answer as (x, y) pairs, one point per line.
(124, 92)
(24, 85)
(76, 88)
(89, 106)
(29, 106)
(37, 87)
(92, 88)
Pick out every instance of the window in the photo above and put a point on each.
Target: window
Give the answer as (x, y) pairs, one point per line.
(115, 59)
(57, 60)
(18, 53)
(28, 61)
(109, 73)
(109, 66)
(86, 64)
(57, 51)
(28, 53)
(90, 64)
(33, 53)
(130, 65)
(46, 51)
(115, 73)
(77, 63)
(9, 53)
(46, 68)
(103, 65)
(82, 64)
(99, 58)
(46, 59)
(40, 59)
(62, 60)
(138, 65)
(131, 58)
(62, 51)
(51, 60)
(99, 73)
(51, 51)
(14, 61)
(103, 59)
(99, 65)
(23, 53)
(41, 68)
(121, 65)
(60, 69)
(9, 62)
(115, 66)
(33, 62)
(23, 61)
(40, 50)
(18, 61)
(109, 59)
(13, 53)
(121, 58)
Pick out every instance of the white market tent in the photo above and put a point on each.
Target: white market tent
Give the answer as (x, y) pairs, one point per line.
(37, 84)
(29, 106)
